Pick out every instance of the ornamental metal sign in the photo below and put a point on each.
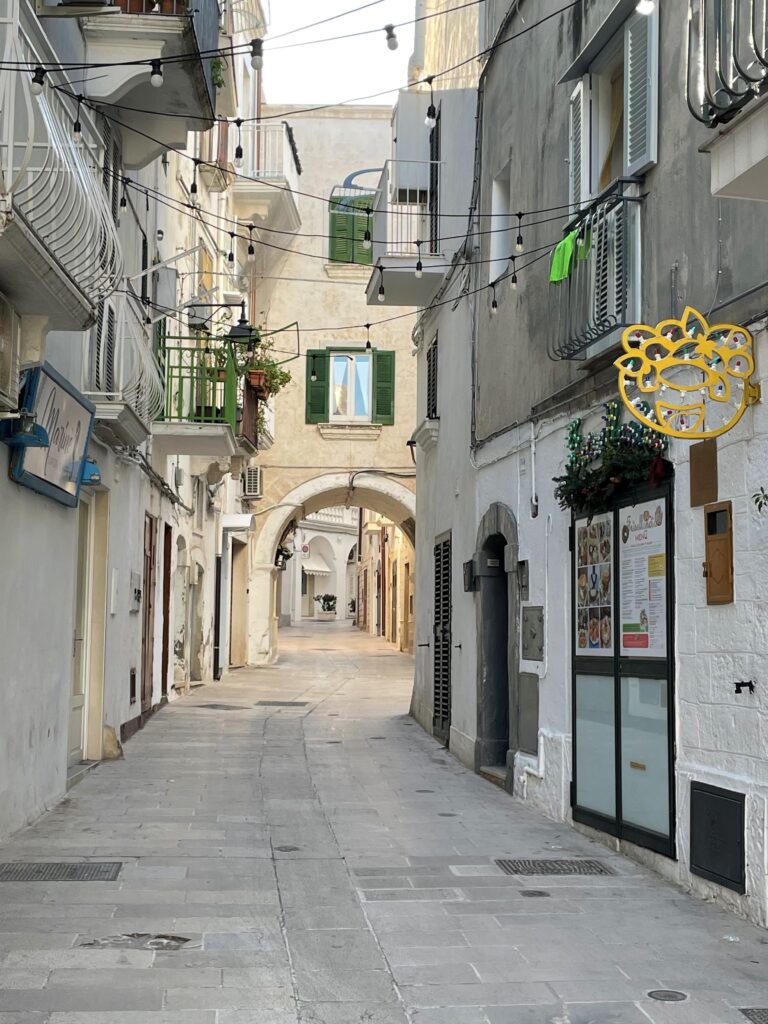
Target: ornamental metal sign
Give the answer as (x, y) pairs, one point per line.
(687, 378)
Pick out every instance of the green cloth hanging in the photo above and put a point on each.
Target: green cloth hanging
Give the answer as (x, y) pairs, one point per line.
(562, 258)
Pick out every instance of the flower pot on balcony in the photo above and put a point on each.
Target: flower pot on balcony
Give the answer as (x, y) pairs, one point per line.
(257, 378)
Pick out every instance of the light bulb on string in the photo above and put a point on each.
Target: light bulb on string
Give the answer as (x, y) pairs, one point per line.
(391, 37)
(368, 346)
(513, 278)
(646, 7)
(419, 266)
(38, 81)
(77, 128)
(367, 234)
(519, 242)
(156, 75)
(494, 303)
(251, 250)
(313, 373)
(193, 186)
(238, 161)
(382, 294)
(431, 119)
(124, 197)
(231, 254)
(257, 54)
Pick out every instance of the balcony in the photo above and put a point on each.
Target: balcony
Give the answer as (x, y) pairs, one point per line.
(727, 88)
(268, 182)
(144, 31)
(123, 379)
(209, 409)
(601, 295)
(406, 230)
(59, 251)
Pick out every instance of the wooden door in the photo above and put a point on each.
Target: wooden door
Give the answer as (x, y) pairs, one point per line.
(148, 611)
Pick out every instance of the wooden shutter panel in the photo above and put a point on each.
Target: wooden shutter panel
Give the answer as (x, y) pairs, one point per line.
(360, 223)
(641, 92)
(384, 387)
(578, 147)
(317, 391)
(341, 228)
(718, 568)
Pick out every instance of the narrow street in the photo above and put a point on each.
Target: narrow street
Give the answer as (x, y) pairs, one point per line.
(326, 861)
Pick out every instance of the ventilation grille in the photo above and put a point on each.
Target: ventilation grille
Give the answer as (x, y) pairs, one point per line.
(553, 867)
(252, 482)
(103, 871)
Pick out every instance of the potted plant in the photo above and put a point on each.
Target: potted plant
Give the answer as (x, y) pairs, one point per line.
(327, 604)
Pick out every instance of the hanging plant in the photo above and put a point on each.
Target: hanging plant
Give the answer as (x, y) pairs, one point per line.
(600, 464)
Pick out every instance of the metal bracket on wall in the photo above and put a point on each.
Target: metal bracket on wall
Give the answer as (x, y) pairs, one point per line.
(749, 684)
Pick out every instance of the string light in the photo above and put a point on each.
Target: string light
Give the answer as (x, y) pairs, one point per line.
(382, 294)
(494, 303)
(313, 373)
(431, 119)
(368, 345)
(419, 267)
(231, 255)
(391, 37)
(257, 54)
(38, 81)
(513, 278)
(124, 197)
(239, 147)
(367, 234)
(519, 242)
(193, 186)
(251, 250)
(156, 75)
(646, 7)
(77, 128)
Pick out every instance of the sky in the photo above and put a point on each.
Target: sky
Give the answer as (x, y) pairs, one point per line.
(343, 70)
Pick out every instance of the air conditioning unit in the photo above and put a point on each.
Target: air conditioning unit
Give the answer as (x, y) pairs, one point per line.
(10, 346)
(252, 482)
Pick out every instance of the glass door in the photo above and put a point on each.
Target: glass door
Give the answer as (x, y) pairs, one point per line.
(622, 687)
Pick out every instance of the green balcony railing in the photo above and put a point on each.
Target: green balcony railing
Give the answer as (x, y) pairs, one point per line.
(201, 384)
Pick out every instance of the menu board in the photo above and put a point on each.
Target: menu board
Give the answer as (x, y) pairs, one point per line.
(643, 575)
(594, 586)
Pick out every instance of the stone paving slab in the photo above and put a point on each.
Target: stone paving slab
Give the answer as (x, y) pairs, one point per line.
(326, 875)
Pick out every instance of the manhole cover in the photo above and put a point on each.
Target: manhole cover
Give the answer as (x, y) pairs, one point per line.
(281, 703)
(667, 995)
(288, 849)
(94, 871)
(138, 940)
(533, 892)
(759, 1016)
(220, 707)
(553, 867)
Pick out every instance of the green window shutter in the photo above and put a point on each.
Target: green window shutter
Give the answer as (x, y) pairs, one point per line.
(361, 255)
(383, 387)
(340, 246)
(347, 230)
(317, 391)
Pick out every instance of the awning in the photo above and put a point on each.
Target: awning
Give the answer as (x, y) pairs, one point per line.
(315, 565)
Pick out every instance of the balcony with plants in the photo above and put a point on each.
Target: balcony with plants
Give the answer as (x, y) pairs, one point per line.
(183, 40)
(59, 251)
(727, 90)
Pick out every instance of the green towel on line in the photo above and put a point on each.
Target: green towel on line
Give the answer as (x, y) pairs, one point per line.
(563, 256)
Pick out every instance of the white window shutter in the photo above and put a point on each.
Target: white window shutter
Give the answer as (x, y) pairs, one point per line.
(641, 92)
(578, 146)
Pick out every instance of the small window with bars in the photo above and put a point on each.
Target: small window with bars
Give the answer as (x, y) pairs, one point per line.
(432, 381)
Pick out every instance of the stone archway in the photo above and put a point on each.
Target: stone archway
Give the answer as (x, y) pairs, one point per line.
(377, 491)
(496, 557)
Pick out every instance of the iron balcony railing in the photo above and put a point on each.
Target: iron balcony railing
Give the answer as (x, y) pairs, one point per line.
(601, 294)
(407, 210)
(203, 386)
(269, 153)
(48, 180)
(727, 57)
(121, 366)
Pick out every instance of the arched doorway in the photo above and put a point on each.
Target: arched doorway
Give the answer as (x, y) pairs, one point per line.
(376, 491)
(497, 631)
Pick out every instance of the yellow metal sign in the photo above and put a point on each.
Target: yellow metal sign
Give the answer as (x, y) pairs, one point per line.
(687, 378)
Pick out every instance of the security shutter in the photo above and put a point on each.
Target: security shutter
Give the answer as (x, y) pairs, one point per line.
(432, 358)
(318, 362)
(383, 387)
(578, 147)
(441, 718)
(641, 92)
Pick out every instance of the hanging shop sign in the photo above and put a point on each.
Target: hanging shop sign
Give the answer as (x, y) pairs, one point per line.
(642, 541)
(67, 417)
(687, 378)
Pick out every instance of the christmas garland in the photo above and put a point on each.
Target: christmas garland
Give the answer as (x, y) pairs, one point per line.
(599, 464)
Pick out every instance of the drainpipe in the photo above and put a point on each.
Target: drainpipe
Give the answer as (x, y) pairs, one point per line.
(416, 63)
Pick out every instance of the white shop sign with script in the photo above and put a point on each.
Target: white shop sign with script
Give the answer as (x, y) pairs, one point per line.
(67, 417)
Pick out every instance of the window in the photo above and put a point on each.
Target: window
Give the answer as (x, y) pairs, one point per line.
(355, 386)
(613, 122)
(500, 238)
(348, 223)
(432, 381)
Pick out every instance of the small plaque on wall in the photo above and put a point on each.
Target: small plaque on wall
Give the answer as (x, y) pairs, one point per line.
(703, 472)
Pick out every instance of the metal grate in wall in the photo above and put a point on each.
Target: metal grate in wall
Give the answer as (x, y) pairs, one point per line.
(757, 1016)
(94, 871)
(553, 867)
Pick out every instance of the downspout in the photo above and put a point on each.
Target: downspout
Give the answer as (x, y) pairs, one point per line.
(416, 63)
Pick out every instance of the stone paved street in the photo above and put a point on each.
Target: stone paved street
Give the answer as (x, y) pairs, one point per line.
(330, 863)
